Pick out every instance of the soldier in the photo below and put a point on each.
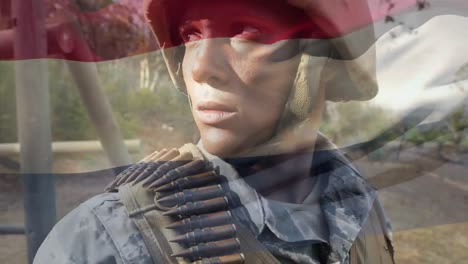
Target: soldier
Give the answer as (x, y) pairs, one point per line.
(262, 185)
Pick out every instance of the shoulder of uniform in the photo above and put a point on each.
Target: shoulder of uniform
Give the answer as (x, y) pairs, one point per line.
(99, 222)
(99, 200)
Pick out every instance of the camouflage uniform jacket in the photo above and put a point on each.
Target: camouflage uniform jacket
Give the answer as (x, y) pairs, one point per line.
(322, 229)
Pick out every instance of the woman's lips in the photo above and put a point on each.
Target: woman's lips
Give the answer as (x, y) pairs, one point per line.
(212, 113)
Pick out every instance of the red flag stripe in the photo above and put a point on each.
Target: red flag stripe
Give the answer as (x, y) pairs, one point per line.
(69, 39)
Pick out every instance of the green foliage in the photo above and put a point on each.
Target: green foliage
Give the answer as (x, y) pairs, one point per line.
(454, 130)
(134, 108)
(419, 137)
(353, 122)
(69, 117)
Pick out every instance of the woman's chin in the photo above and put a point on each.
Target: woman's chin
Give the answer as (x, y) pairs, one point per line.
(229, 143)
(220, 149)
(221, 143)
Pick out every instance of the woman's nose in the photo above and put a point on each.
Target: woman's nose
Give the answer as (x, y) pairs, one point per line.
(210, 63)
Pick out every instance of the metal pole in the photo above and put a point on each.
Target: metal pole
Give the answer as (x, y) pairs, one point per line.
(33, 114)
(71, 147)
(100, 112)
(11, 230)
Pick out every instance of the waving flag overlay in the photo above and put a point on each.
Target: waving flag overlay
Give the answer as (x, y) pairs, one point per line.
(97, 64)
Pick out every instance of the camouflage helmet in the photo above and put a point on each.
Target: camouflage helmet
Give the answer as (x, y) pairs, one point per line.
(347, 61)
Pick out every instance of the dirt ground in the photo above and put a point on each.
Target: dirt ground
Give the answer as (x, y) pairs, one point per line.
(429, 213)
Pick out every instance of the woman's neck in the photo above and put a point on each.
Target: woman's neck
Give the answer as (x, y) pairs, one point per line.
(284, 177)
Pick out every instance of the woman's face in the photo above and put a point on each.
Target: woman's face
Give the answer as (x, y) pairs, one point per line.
(237, 76)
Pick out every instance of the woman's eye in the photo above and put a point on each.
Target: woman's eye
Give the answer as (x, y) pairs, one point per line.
(189, 34)
(247, 32)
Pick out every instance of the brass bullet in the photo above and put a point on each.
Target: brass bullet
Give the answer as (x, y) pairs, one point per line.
(192, 195)
(143, 174)
(211, 249)
(124, 174)
(161, 161)
(121, 177)
(141, 166)
(148, 160)
(201, 221)
(136, 170)
(200, 207)
(179, 172)
(179, 160)
(162, 170)
(180, 184)
(111, 185)
(206, 235)
(228, 259)
(154, 156)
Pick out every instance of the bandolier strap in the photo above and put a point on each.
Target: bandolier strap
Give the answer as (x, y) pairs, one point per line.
(183, 212)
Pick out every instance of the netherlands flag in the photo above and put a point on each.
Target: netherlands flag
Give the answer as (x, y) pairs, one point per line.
(414, 51)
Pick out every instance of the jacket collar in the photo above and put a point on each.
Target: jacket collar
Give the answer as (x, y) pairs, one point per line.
(346, 202)
(333, 213)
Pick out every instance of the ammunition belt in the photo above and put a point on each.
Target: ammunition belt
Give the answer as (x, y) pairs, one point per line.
(188, 194)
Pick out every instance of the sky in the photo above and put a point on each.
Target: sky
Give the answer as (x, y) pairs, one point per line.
(426, 64)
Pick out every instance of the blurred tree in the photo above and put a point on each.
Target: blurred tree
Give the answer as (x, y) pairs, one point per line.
(5, 15)
(92, 5)
(112, 29)
(69, 117)
(453, 129)
(354, 122)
